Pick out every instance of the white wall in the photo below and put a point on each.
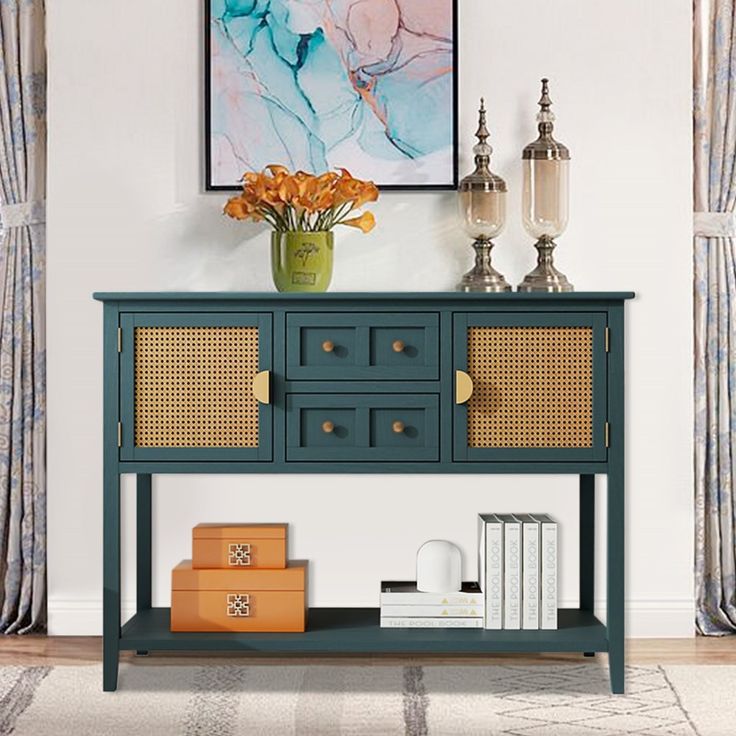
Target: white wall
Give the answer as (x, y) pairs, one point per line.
(126, 211)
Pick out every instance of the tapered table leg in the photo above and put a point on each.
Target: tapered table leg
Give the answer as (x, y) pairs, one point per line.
(587, 545)
(111, 581)
(616, 503)
(110, 504)
(587, 542)
(144, 541)
(615, 597)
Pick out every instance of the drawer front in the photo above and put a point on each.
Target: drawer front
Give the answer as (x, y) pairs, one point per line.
(238, 553)
(350, 428)
(363, 346)
(238, 610)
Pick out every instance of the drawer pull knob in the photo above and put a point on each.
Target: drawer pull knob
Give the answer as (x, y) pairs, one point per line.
(398, 346)
(398, 427)
(262, 387)
(463, 387)
(328, 427)
(328, 346)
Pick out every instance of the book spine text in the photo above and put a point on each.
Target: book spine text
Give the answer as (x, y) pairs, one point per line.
(432, 611)
(493, 586)
(512, 576)
(530, 568)
(549, 576)
(413, 622)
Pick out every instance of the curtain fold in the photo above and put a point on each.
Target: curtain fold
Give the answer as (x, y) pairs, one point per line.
(714, 78)
(22, 316)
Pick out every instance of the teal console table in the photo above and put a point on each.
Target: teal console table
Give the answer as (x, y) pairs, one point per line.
(364, 383)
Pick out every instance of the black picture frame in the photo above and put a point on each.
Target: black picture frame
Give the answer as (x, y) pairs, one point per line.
(210, 187)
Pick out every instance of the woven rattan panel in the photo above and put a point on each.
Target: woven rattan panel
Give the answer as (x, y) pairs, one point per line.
(533, 387)
(193, 387)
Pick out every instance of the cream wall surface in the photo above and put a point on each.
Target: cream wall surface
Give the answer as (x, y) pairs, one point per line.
(127, 211)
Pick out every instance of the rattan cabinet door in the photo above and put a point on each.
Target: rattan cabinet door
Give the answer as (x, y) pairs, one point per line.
(538, 386)
(187, 387)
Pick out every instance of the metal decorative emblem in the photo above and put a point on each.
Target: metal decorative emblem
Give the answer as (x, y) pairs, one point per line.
(238, 555)
(238, 605)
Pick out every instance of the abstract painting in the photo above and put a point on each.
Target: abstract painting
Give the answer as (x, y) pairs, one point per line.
(369, 85)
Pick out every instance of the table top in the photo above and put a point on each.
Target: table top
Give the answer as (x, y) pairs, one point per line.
(370, 296)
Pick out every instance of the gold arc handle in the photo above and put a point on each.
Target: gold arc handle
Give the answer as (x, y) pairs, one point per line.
(463, 387)
(328, 346)
(262, 387)
(398, 346)
(328, 427)
(398, 426)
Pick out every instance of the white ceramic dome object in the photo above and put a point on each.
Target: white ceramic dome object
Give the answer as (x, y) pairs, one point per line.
(439, 567)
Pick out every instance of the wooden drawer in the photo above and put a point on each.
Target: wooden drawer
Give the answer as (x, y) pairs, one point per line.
(239, 600)
(348, 427)
(239, 546)
(362, 345)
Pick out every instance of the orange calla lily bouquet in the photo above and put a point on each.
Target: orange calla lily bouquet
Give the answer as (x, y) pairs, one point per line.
(302, 202)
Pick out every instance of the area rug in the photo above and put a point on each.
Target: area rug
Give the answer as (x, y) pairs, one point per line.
(536, 700)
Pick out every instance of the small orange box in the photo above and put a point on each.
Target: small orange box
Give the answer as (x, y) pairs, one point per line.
(239, 599)
(228, 546)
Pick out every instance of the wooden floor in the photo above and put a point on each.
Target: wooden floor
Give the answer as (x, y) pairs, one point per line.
(71, 650)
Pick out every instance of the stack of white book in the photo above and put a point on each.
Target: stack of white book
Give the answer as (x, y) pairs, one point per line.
(403, 606)
(517, 570)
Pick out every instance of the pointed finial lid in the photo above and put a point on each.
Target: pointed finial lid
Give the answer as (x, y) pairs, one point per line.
(482, 149)
(482, 178)
(482, 133)
(544, 101)
(546, 147)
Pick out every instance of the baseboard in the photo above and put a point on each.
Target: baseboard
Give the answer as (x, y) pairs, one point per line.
(657, 619)
(645, 619)
(80, 616)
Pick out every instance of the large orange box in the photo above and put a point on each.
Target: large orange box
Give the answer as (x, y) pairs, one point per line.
(239, 599)
(239, 546)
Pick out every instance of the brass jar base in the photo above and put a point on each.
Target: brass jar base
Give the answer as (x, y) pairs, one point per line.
(545, 277)
(483, 277)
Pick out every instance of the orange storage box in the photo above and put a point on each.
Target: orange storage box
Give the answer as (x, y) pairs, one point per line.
(239, 599)
(239, 545)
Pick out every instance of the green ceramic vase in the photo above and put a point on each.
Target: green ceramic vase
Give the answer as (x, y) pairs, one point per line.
(301, 261)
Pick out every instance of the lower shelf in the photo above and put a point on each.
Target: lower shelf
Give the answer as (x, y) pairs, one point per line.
(357, 631)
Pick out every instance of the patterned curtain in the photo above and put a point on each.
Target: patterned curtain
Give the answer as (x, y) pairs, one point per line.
(715, 313)
(22, 315)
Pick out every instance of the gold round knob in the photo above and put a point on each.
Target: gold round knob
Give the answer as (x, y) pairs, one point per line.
(328, 427)
(398, 426)
(398, 346)
(328, 346)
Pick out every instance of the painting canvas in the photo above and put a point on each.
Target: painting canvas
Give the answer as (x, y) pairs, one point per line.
(369, 85)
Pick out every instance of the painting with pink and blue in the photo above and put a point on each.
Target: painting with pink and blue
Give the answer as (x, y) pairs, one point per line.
(369, 85)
